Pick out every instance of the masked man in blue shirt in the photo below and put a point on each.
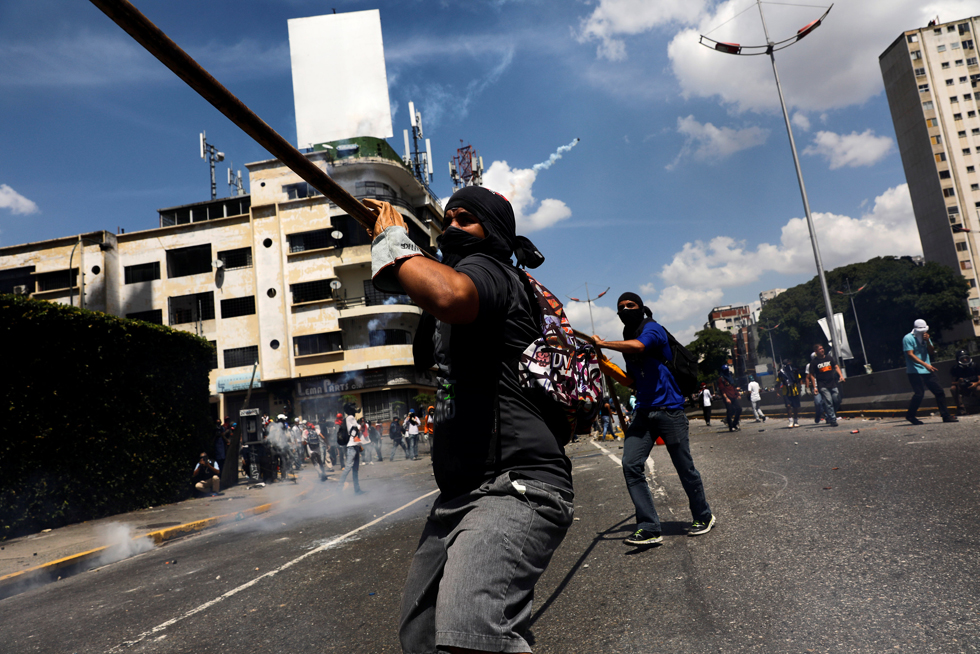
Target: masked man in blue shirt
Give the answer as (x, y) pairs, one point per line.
(659, 413)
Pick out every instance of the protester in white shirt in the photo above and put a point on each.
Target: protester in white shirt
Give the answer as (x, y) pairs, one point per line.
(755, 397)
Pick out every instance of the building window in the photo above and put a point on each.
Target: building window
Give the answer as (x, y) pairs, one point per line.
(315, 240)
(963, 81)
(951, 28)
(387, 405)
(969, 169)
(932, 122)
(155, 316)
(961, 134)
(959, 62)
(14, 277)
(317, 343)
(940, 156)
(916, 54)
(923, 88)
(941, 48)
(968, 44)
(238, 306)
(374, 298)
(241, 356)
(214, 355)
(964, 28)
(949, 192)
(374, 190)
(955, 45)
(936, 140)
(191, 308)
(189, 261)
(975, 187)
(389, 337)
(972, 61)
(953, 99)
(943, 174)
(966, 150)
(966, 265)
(56, 279)
(919, 72)
(957, 116)
(949, 82)
(311, 291)
(944, 66)
(972, 283)
(952, 210)
(299, 191)
(143, 272)
(927, 105)
(234, 259)
(937, 31)
(961, 246)
(912, 38)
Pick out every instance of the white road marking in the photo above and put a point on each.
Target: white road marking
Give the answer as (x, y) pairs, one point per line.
(655, 488)
(245, 586)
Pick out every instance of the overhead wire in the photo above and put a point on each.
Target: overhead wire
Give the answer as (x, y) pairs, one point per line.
(730, 19)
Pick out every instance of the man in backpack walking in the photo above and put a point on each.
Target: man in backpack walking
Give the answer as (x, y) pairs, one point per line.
(505, 484)
(659, 413)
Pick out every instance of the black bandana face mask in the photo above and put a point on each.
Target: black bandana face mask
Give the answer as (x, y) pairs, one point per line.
(630, 316)
(455, 244)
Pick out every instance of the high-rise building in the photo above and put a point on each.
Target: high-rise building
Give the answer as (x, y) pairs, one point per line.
(931, 79)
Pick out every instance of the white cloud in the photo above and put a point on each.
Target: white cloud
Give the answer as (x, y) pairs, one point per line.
(709, 143)
(801, 121)
(515, 184)
(17, 203)
(836, 66)
(852, 150)
(697, 275)
(630, 17)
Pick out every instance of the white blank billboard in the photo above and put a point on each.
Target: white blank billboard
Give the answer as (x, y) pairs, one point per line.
(340, 87)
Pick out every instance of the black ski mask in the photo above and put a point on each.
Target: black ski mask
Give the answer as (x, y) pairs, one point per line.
(631, 318)
(496, 216)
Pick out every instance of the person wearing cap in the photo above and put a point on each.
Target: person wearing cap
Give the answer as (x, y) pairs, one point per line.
(659, 413)
(824, 376)
(918, 348)
(411, 427)
(505, 484)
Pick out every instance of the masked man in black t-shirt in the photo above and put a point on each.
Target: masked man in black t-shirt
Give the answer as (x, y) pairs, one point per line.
(966, 380)
(505, 482)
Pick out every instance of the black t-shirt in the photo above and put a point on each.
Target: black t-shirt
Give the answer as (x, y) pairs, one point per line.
(968, 373)
(823, 370)
(605, 410)
(477, 367)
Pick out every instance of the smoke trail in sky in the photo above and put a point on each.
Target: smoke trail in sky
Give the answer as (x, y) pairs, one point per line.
(545, 165)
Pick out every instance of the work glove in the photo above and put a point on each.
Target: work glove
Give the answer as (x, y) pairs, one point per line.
(390, 244)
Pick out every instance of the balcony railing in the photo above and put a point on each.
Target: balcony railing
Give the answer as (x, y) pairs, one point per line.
(375, 299)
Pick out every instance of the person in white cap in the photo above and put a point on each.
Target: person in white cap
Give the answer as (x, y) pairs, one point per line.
(918, 347)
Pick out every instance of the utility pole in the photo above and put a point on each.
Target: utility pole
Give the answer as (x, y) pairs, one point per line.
(867, 364)
(589, 300)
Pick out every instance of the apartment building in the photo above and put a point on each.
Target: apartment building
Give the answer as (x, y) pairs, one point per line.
(280, 278)
(931, 77)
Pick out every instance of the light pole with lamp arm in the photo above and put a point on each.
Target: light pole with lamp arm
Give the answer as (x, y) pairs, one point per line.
(81, 272)
(769, 49)
(848, 293)
(589, 300)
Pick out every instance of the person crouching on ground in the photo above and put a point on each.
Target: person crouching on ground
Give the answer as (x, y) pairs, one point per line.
(207, 475)
(505, 484)
(659, 413)
(966, 381)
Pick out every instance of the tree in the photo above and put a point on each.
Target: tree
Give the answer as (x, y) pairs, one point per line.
(712, 347)
(897, 292)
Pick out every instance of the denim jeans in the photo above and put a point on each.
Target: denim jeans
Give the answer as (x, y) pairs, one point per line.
(413, 446)
(607, 427)
(353, 463)
(671, 426)
(817, 406)
(831, 402)
(394, 448)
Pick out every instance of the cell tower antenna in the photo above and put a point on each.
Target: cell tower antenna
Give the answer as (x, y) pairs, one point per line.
(466, 168)
(235, 182)
(418, 154)
(210, 152)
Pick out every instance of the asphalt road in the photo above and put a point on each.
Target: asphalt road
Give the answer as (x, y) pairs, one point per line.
(827, 541)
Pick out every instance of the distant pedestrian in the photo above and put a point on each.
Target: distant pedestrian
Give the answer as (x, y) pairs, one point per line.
(966, 381)
(605, 415)
(817, 400)
(659, 413)
(790, 386)
(755, 397)
(706, 404)
(353, 455)
(825, 376)
(411, 427)
(397, 439)
(733, 408)
(374, 431)
(918, 348)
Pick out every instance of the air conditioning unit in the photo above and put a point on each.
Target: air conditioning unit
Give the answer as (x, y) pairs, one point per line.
(20, 290)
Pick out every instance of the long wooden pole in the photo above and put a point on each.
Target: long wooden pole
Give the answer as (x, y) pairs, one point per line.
(183, 65)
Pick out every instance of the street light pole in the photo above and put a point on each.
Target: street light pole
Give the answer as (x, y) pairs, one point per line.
(806, 202)
(589, 300)
(867, 365)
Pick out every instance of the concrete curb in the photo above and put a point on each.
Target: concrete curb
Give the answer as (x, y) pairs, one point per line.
(17, 582)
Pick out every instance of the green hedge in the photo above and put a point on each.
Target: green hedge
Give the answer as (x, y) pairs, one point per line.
(107, 415)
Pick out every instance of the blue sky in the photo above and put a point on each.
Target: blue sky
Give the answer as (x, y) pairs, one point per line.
(681, 189)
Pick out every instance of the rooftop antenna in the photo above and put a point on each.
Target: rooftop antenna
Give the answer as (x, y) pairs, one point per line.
(211, 153)
(769, 49)
(418, 161)
(235, 182)
(466, 168)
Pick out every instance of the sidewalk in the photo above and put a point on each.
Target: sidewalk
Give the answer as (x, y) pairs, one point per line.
(39, 558)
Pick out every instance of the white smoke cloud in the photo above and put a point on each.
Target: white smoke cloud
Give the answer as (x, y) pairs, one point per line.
(555, 156)
(613, 18)
(851, 150)
(17, 203)
(709, 143)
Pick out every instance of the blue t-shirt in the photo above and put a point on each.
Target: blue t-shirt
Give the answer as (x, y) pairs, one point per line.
(655, 386)
(921, 350)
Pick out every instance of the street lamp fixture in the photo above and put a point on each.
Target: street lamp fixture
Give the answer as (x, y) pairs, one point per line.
(769, 49)
(850, 294)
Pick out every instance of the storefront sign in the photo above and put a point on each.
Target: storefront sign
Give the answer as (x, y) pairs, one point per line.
(347, 382)
(230, 383)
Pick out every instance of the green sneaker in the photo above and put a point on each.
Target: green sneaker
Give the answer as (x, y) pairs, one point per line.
(644, 537)
(699, 527)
